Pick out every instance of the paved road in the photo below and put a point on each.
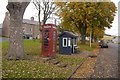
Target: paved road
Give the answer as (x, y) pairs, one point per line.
(107, 63)
(119, 61)
(3, 39)
(0, 39)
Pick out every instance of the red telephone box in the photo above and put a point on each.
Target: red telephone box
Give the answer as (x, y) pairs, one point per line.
(49, 40)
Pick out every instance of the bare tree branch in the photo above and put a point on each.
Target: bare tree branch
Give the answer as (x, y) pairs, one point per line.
(45, 7)
(36, 6)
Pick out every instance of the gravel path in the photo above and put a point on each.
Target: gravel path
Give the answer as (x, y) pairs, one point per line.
(86, 69)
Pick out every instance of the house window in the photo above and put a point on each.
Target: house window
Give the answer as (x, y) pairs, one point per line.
(23, 29)
(30, 29)
(64, 42)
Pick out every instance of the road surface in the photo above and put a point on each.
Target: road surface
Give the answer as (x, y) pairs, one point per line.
(3, 39)
(107, 62)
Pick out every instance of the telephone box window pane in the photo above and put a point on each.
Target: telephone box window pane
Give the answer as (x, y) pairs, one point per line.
(64, 42)
(46, 37)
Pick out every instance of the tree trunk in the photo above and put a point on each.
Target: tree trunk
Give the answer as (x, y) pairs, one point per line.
(44, 18)
(16, 42)
(16, 10)
(96, 39)
(39, 12)
(83, 33)
(83, 38)
(92, 37)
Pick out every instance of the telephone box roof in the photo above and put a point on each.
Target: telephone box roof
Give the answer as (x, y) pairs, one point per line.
(48, 25)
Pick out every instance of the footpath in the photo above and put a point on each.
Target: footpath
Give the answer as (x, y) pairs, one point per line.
(86, 69)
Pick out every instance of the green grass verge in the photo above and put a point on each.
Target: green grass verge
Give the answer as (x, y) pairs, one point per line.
(87, 46)
(32, 69)
(35, 67)
(31, 47)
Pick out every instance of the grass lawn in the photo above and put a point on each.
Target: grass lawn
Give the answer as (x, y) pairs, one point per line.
(31, 47)
(87, 46)
(36, 67)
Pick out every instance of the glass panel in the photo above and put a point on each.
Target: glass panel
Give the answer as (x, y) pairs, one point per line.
(46, 41)
(69, 42)
(64, 42)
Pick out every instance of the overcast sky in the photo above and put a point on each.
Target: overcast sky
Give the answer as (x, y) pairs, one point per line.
(31, 11)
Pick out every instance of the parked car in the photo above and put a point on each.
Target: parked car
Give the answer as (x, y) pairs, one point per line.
(103, 44)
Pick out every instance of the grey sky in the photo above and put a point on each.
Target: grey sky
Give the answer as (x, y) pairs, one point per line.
(114, 29)
(31, 11)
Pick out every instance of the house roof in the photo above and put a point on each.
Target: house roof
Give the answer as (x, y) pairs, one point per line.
(68, 33)
(30, 22)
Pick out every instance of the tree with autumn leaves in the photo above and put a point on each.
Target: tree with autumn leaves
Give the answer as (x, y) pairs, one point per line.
(86, 17)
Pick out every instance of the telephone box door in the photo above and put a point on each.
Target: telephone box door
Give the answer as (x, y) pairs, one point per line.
(49, 38)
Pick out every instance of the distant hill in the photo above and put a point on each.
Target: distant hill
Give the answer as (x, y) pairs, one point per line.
(107, 35)
(110, 35)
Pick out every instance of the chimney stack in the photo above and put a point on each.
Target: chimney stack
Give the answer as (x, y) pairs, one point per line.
(32, 18)
(7, 14)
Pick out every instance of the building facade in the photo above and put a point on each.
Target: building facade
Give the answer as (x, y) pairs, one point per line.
(30, 28)
(5, 25)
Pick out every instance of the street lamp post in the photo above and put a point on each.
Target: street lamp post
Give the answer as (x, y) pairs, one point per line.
(90, 38)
